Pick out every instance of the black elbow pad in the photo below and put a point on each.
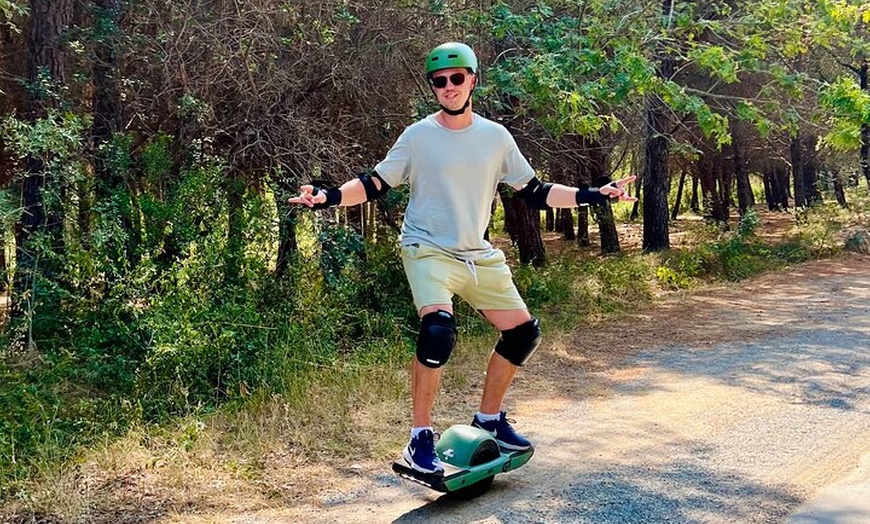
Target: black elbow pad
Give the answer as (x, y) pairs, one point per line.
(535, 193)
(368, 182)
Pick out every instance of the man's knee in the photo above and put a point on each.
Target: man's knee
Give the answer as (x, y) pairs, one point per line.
(437, 339)
(518, 344)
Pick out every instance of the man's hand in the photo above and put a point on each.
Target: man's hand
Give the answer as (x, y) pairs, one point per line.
(617, 189)
(308, 197)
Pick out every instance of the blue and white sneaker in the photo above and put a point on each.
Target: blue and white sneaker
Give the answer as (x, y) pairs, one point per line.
(503, 433)
(420, 454)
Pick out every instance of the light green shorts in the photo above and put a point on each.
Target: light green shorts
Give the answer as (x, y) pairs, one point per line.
(435, 276)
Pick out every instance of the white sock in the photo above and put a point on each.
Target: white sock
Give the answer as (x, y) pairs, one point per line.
(483, 417)
(416, 431)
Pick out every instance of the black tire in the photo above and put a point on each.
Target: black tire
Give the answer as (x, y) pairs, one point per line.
(487, 451)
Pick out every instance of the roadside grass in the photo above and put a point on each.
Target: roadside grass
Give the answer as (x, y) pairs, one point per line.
(332, 388)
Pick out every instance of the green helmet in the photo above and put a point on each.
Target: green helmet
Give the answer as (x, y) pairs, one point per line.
(451, 54)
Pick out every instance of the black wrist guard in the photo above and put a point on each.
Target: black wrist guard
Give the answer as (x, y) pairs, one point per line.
(589, 196)
(333, 195)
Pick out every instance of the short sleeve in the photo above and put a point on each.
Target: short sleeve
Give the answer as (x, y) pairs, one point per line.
(395, 168)
(515, 169)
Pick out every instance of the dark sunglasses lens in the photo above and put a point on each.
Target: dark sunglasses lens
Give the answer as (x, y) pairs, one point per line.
(456, 79)
(439, 81)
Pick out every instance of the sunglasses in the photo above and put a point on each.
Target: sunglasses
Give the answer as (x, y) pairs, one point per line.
(440, 82)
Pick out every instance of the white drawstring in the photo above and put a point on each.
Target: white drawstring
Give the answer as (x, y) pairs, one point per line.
(471, 267)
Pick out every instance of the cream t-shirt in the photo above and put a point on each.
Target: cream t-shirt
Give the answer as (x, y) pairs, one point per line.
(453, 176)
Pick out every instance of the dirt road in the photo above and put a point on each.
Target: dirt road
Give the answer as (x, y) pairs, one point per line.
(744, 403)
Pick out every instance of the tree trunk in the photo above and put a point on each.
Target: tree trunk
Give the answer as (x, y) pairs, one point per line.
(607, 228)
(4, 266)
(355, 217)
(288, 245)
(655, 180)
(797, 171)
(811, 184)
(108, 122)
(655, 172)
(811, 170)
(711, 175)
(695, 204)
(509, 215)
(583, 226)
(782, 187)
(48, 21)
(679, 198)
(108, 114)
(526, 227)
(550, 219)
(371, 212)
(566, 224)
(638, 191)
(234, 254)
(725, 176)
(775, 188)
(839, 191)
(45, 69)
(745, 198)
(596, 170)
(391, 221)
(865, 128)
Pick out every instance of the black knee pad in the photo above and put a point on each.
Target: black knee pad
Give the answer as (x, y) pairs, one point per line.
(518, 344)
(437, 338)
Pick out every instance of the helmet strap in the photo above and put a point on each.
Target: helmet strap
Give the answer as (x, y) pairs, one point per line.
(457, 112)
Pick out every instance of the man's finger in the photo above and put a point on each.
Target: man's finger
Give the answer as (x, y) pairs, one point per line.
(304, 198)
(625, 181)
(613, 189)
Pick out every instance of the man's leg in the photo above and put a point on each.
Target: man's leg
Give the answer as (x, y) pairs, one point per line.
(435, 332)
(500, 372)
(424, 387)
(425, 380)
(520, 336)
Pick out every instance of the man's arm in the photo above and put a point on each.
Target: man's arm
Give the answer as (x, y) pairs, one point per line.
(562, 196)
(356, 191)
(541, 195)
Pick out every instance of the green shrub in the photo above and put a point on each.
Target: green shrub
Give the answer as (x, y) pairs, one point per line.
(670, 279)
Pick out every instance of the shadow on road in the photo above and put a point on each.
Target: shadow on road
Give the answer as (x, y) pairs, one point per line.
(681, 492)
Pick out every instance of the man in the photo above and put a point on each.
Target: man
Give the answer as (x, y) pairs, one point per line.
(453, 161)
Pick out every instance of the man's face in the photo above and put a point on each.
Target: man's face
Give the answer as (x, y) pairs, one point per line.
(449, 94)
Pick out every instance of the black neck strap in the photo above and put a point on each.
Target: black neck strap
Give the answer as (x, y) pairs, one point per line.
(457, 112)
